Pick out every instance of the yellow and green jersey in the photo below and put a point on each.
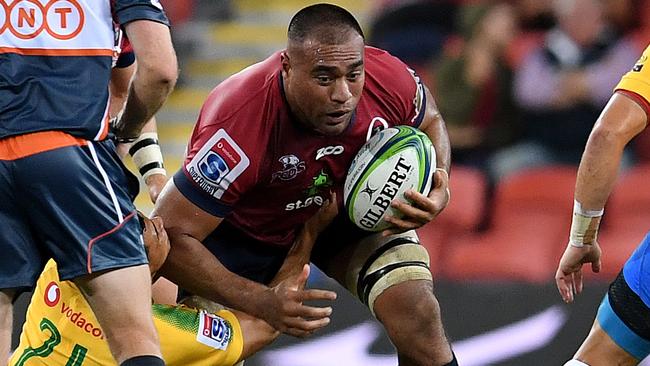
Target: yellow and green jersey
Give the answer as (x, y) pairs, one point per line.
(637, 80)
(61, 330)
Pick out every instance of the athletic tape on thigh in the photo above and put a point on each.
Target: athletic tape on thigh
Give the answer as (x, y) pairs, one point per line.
(399, 260)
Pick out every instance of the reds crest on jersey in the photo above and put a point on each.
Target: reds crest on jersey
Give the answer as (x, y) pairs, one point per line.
(219, 162)
(214, 331)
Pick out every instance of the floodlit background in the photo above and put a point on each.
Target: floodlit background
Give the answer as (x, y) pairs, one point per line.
(520, 84)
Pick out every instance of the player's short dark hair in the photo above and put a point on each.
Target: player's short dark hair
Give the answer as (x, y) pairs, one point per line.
(318, 21)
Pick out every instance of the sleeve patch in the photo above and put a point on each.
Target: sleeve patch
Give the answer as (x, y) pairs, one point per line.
(219, 162)
(638, 66)
(419, 101)
(214, 331)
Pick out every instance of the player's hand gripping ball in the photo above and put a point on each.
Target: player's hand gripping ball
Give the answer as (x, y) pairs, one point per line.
(393, 161)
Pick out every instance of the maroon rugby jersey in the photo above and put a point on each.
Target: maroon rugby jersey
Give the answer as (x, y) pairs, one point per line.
(250, 162)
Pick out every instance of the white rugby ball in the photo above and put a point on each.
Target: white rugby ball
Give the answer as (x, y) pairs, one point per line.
(394, 160)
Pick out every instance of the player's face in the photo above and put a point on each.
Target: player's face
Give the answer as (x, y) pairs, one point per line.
(323, 83)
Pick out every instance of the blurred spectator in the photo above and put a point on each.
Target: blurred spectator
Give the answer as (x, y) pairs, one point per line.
(623, 15)
(414, 31)
(535, 15)
(473, 85)
(562, 86)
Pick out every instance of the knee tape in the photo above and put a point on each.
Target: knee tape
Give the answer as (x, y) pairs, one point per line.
(399, 260)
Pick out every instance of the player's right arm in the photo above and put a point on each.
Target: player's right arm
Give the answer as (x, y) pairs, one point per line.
(192, 266)
(155, 76)
(624, 117)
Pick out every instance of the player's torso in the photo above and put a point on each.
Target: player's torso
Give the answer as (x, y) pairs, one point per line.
(300, 169)
(55, 59)
(261, 169)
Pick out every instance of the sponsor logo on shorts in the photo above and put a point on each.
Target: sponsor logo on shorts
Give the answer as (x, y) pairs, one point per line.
(219, 162)
(81, 321)
(52, 294)
(329, 150)
(291, 166)
(214, 331)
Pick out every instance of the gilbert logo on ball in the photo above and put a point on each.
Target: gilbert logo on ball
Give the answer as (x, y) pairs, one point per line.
(391, 162)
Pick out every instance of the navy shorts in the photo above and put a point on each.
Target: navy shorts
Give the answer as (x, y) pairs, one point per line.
(73, 204)
(259, 261)
(625, 318)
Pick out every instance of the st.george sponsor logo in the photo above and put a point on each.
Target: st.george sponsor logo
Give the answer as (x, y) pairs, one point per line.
(27, 19)
(387, 194)
(321, 182)
(214, 331)
(217, 164)
(329, 150)
(302, 203)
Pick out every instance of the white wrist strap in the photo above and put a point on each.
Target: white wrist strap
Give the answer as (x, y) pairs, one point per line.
(584, 227)
(147, 156)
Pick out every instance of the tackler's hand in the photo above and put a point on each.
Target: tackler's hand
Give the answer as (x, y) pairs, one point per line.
(286, 311)
(421, 209)
(155, 184)
(156, 242)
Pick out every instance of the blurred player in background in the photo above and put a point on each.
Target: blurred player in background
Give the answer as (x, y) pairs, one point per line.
(63, 188)
(270, 142)
(620, 334)
(61, 330)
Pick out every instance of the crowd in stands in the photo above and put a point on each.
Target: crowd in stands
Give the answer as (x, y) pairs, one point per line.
(520, 84)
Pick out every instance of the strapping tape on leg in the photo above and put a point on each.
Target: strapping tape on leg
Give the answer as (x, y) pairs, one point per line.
(400, 260)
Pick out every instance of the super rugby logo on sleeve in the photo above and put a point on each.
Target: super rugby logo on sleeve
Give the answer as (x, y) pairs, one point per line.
(219, 162)
(214, 331)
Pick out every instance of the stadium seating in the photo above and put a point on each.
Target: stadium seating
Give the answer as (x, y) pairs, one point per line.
(529, 224)
(465, 212)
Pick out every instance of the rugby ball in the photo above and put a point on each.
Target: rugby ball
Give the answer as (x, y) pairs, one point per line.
(394, 160)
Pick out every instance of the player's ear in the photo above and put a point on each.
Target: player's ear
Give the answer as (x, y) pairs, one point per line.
(286, 63)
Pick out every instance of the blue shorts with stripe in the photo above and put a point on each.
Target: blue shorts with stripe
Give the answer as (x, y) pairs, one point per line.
(73, 204)
(624, 313)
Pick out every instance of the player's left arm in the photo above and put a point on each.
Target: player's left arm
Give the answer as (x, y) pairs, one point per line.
(623, 118)
(145, 151)
(423, 209)
(295, 270)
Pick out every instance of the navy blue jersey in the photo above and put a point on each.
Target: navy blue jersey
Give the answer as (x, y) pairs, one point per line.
(55, 63)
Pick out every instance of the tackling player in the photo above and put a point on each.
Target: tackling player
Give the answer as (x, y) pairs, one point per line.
(620, 334)
(61, 330)
(269, 142)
